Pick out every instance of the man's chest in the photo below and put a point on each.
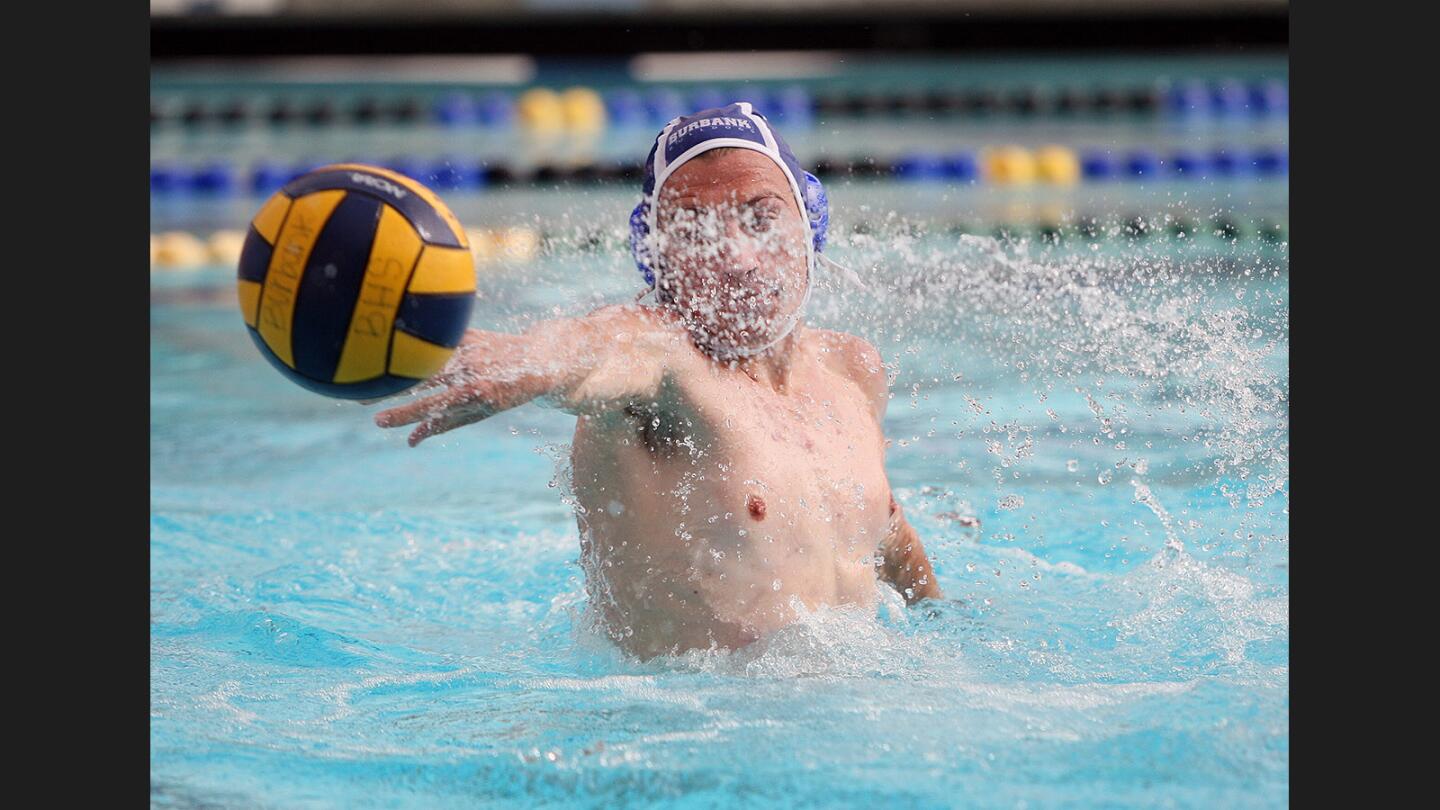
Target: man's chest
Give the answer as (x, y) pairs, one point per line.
(815, 448)
(818, 414)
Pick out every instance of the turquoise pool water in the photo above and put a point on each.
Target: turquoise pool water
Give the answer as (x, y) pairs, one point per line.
(340, 621)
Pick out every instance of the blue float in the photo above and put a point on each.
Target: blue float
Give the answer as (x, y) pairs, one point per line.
(214, 178)
(962, 166)
(921, 166)
(166, 179)
(758, 97)
(663, 104)
(1270, 162)
(1230, 98)
(409, 167)
(1142, 163)
(266, 177)
(456, 110)
(626, 108)
(1270, 97)
(1189, 98)
(453, 173)
(709, 97)
(495, 109)
(1225, 163)
(793, 105)
(1096, 165)
(1189, 165)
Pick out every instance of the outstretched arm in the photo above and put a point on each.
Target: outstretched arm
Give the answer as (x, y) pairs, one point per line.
(587, 365)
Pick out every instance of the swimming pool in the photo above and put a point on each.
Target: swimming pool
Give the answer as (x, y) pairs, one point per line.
(1097, 373)
(338, 620)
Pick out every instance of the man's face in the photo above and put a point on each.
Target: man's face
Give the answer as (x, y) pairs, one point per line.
(732, 243)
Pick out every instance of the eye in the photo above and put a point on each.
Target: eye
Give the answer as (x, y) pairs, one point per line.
(760, 217)
(686, 225)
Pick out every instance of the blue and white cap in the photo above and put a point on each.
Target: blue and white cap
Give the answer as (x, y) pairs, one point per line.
(734, 125)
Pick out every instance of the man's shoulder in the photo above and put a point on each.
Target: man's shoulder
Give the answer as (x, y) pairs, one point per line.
(854, 358)
(846, 351)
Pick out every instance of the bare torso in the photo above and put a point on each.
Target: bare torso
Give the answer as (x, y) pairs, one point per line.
(710, 516)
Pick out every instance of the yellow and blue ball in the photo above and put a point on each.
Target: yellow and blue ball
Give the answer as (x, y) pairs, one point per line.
(356, 282)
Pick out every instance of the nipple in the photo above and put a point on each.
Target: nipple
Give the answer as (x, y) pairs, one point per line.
(756, 506)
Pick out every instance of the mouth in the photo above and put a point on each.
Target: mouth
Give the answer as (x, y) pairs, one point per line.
(741, 294)
(751, 303)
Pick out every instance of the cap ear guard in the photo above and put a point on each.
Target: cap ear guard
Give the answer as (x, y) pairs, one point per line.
(817, 210)
(640, 241)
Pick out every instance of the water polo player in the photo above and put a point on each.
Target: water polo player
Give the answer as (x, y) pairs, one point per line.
(728, 460)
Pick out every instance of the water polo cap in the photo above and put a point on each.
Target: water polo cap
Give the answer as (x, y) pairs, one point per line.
(736, 125)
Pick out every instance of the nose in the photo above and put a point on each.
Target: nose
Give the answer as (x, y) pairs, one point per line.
(739, 252)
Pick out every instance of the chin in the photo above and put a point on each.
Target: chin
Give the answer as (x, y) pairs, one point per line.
(742, 340)
(732, 328)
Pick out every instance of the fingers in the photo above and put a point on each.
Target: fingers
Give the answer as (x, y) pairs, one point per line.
(420, 409)
(447, 410)
(428, 428)
(447, 421)
(420, 434)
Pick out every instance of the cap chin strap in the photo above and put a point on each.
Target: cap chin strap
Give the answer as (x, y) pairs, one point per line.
(820, 258)
(850, 275)
(784, 333)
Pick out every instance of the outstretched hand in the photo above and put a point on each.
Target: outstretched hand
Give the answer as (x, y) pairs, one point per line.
(473, 389)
